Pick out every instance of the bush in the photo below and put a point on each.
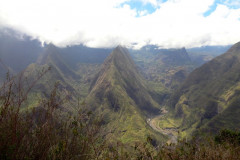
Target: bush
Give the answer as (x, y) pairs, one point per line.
(46, 132)
(228, 136)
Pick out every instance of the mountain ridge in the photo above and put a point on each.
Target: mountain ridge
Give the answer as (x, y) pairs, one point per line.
(208, 92)
(121, 59)
(119, 94)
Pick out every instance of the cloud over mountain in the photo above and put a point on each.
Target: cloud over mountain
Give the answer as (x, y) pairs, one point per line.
(107, 23)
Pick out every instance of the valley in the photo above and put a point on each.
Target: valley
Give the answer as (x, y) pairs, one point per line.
(120, 80)
(159, 95)
(124, 86)
(170, 132)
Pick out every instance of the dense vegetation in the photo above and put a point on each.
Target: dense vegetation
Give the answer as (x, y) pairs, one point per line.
(43, 133)
(74, 103)
(208, 99)
(120, 95)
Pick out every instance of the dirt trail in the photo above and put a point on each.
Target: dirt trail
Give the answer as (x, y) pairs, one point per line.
(170, 132)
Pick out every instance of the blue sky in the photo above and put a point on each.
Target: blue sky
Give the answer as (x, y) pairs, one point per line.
(134, 23)
(141, 5)
(234, 4)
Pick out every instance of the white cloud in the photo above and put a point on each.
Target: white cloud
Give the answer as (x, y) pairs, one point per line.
(176, 23)
(143, 13)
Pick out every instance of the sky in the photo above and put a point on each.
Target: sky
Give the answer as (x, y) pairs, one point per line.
(133, 23)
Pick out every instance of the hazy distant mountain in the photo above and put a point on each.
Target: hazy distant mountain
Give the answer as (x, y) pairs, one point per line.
(73, 78)
(120, 94)
(17, 50)
(74, 66)
(209, 97)
(201, 55)
(73, 55)
(167, 56)
(59, 73)
(163, 65)
(52, 57)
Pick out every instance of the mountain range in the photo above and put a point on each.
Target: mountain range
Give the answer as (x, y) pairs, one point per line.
(167, 66)
(127, 88)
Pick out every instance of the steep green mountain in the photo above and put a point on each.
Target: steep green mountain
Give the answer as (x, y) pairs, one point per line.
(120, 95)
(85, 62)
(166, 66)
(209, 97)
(71, 66)
(59, 73)
(52, 57)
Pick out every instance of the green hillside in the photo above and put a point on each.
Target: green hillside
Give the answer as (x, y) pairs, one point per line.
(120, 95)
(208, 99)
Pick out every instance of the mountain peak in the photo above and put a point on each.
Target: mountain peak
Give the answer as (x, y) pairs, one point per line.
(50, 53)
(120, 70)
(119, 93)
(121, 59)
(51, 46)
(184, 49)
(120, 49)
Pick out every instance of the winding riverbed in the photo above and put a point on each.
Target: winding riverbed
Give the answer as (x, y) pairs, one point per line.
(170, 132)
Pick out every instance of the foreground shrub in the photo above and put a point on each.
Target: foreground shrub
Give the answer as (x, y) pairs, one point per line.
(46, 132)
(228, 136)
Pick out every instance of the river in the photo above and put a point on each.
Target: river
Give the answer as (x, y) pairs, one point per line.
(170, 132)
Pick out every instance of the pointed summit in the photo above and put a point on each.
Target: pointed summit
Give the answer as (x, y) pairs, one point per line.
(119, 69)
(50, 53)
(121, 56)
(122, 49)
(120, 94)
(51, 56)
